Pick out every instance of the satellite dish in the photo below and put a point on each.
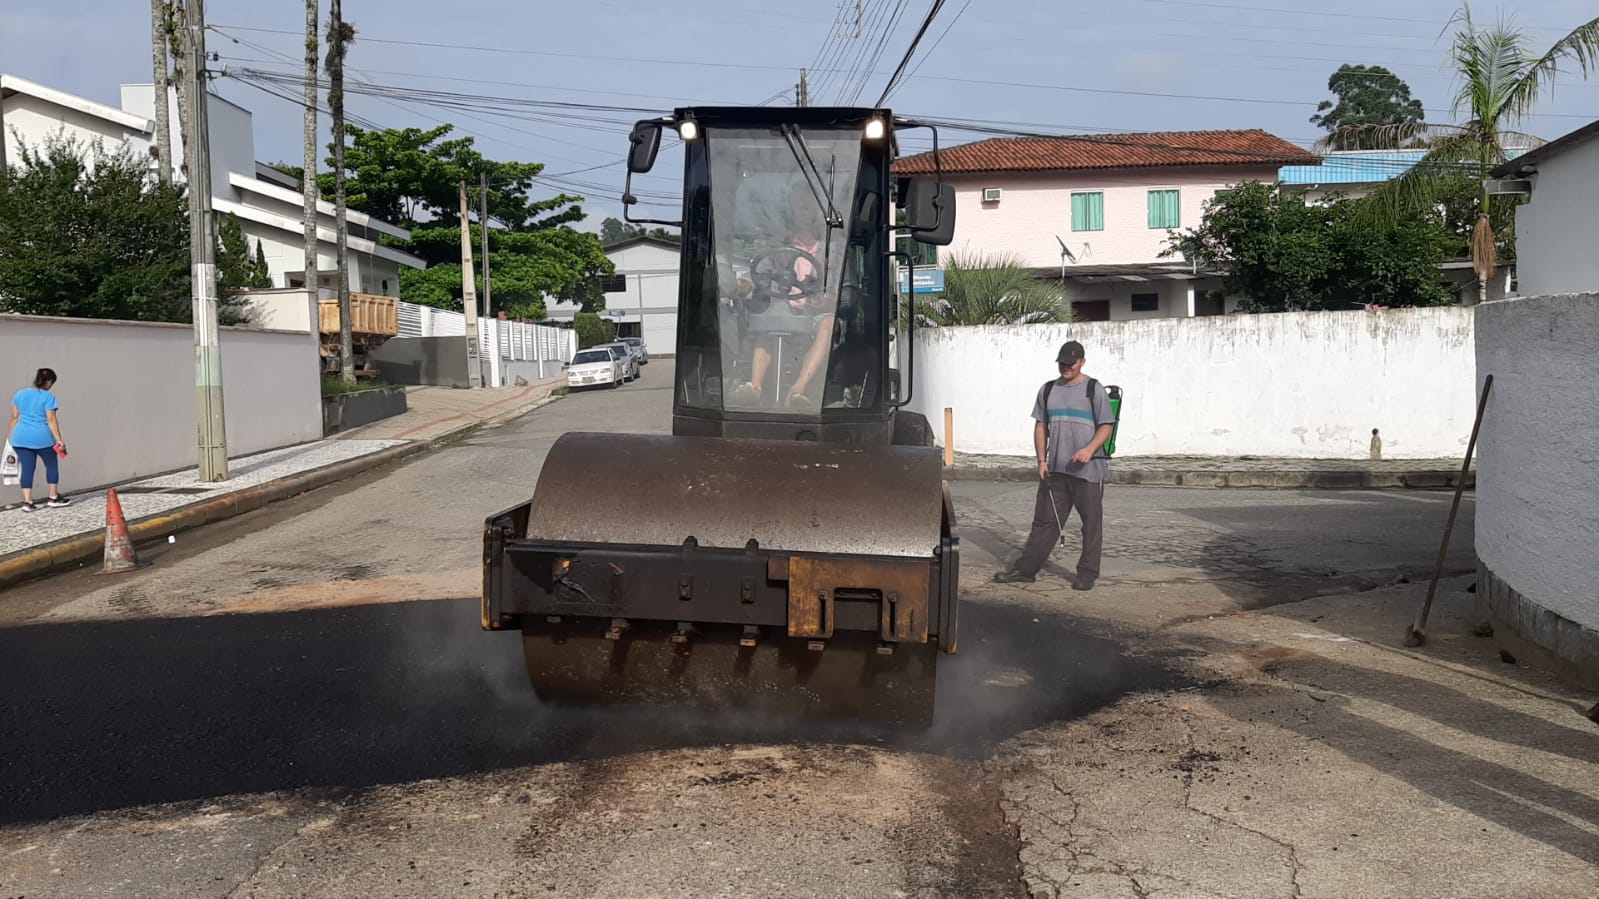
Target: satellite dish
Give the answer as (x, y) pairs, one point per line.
(1065, 253)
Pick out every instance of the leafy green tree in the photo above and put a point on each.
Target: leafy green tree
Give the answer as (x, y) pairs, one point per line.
(237, 267)
(1282, 254)
(992, 289)
(592, 330)
(614, 230)
(412, 178)
(1374, 110)
(1500, 77)
(91, 233)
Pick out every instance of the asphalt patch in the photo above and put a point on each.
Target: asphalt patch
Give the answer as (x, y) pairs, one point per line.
(113, 714)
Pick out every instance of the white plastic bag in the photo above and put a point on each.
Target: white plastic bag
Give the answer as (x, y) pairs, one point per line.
(10, 468)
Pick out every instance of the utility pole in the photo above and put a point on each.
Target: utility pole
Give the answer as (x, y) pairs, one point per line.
(804, 89)
(474, 365)
(308, 183)
(159, 35)
(202, 253)
(483, 224)
(339, 35)
(496, 375)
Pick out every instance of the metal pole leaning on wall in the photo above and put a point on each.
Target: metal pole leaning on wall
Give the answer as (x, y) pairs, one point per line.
(949, 437)
(203, 270)
(1416, 634)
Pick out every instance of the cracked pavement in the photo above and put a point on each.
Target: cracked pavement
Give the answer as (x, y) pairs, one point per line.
(299, 703)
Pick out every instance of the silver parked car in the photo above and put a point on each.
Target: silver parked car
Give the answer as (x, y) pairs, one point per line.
(628, 355)
(594, 367)
(637, 343)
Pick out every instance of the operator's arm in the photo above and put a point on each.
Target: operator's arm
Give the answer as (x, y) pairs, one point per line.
(16, 416)
(55, 427)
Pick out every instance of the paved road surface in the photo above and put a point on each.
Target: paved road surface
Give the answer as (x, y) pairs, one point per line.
(308, 690)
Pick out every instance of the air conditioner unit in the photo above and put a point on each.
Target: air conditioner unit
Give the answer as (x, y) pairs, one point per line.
(991, 195)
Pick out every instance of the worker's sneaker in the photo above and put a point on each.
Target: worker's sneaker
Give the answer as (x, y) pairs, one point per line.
(746, 395)
(1012, 576)
(1082, 583)
(56, 502)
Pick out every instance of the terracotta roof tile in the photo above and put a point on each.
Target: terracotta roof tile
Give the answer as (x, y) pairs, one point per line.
(1112, 151)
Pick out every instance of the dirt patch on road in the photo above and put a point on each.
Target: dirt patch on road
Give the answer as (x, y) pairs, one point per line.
(345, 592)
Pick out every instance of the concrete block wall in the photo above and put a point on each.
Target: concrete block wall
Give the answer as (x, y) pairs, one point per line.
(1300, 385)
(127, 393)
(1537, 511)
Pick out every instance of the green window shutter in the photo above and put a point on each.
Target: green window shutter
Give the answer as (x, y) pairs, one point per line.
(1088, 211)
(1165, 209)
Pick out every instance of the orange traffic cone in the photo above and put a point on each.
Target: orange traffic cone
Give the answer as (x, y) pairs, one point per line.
(119, 554)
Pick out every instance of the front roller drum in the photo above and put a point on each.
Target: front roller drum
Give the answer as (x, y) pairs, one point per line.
(589, 661)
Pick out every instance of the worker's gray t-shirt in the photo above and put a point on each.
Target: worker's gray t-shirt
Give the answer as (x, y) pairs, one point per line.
(1072, 418)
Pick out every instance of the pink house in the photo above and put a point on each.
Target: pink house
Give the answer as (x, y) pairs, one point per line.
(1094, 212)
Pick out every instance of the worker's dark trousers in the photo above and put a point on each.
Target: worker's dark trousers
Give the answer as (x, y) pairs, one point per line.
(1067, 493)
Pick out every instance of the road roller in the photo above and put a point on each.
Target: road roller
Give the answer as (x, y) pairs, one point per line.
(791, 543)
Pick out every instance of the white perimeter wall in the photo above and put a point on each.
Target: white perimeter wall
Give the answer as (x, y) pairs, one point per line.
(1305, 385)
(127, 393)
(1538, 471)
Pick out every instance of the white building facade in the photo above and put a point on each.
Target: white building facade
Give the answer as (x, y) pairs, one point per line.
(1558, 228)
(267, 203)
(641, 298)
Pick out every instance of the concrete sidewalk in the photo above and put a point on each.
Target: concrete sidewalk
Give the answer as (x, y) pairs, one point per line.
(1239, 471)
(47, 540)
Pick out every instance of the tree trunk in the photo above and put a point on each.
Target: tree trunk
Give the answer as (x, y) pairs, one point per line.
(160, 35)
(178, 42)
(308, 181)
(338, 36)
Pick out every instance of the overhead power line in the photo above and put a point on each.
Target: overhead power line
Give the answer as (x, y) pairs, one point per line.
(910, 51)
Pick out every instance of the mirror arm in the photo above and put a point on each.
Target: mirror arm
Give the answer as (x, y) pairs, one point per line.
(910, 331)
(627, 202)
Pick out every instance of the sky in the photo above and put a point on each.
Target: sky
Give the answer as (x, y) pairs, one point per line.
(1060, 66)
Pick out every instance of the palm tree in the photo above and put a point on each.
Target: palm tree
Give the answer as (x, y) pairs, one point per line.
(1500, 80)
(992, 289)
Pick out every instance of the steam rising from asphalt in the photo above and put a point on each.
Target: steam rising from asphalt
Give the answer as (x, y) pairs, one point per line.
(1017, 668)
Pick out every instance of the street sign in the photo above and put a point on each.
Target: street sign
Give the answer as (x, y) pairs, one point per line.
(928, 280)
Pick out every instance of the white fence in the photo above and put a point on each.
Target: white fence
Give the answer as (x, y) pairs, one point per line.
(525, 350)
(1305, 385)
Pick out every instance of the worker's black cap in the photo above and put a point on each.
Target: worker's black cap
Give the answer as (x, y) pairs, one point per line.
(1070, 352)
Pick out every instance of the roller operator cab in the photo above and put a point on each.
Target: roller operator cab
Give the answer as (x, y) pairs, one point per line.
(791, 543)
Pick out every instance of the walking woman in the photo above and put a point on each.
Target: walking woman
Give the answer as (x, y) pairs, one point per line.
(36, 434)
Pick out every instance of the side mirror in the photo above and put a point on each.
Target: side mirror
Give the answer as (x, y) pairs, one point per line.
(646, 142)
(930, 211)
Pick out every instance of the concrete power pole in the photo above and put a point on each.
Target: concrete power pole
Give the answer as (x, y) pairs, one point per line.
(804, 89)
(483, 225)
(339, 35)
(474, 365)
(202, 250)
(159, 35)
(308, 181)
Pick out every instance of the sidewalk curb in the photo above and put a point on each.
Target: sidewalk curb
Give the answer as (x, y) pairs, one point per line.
(1348, 479)
(71, 552)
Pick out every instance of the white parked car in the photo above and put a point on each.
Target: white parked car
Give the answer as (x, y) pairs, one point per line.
(629, 356)
(595, 367)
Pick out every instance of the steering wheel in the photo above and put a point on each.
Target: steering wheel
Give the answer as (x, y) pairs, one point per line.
(773, 279)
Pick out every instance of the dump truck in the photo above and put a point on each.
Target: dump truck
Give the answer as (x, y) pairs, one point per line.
(791, 543)
(373, 320)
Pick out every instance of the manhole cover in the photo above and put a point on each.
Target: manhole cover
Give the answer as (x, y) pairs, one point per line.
(178, 490)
